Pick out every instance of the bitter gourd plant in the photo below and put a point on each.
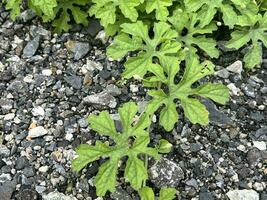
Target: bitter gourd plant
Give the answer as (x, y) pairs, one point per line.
(132, 142)
(168, 45)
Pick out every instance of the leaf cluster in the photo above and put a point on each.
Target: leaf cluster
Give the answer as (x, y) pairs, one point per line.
(60, 12)
(131, 144)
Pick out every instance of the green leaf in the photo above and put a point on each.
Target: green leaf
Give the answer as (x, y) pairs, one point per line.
(146, 193)
(106, 10)
(161, 46)
(255, 32)
(254, 56)
(239, 39)
(164, 146)
(168, 116)
(103, 124)
(14, 6)
(61, 24)
(217, 92)
(183, 91)
(183, 20)
(131, 143)
(123, 45)
(167, 193)
(195, 111)
(135, 172)
(160, 7)
(89, 153)
(65, 9)
(106, 177)
(47, 7)
(127, 112)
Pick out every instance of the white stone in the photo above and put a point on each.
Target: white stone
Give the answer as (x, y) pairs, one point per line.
(233, 89)
(47, 72)
(9, 116)
(134, 88)
(241, 148)
(69, 136)
(58, 196)
(236, 67)
(258, 186)
(261, 145)
(2, 67)
(37, 132)
(28, 78)
(243, 195)
(38, 111)
(43, 169)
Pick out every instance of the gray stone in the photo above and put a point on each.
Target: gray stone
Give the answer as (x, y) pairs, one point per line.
(57, 196)
(37, 132)
(83, 185)
(31, 48)
(205, 196)
(263, 196)
(261, 134)
(243, 195)
(216, 116)
(192, 182)
(113, 90)
(18, 86)
(249, 91)
(120, 194)
(166, 173)
(4, 151)
(236, 67)
(102, 98)
(27, 15)
(80, 50)
(21, 162)
(40, 189)
(7, 189)
(6, 105)
(254, 156)
(74, 81)
(94, 28)
(223, 73)
(83, 123)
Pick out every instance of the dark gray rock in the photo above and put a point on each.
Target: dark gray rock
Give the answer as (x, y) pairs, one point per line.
(205, 196)
(80, 50)
(216, 117)
(27, 15)
(120, 194)
(257, 116)
(254, 156)
(31, 48)
(223, 73)
(263, 196)
(4, 152)
(7, 189)
(74, 81)
(29, 171)
(6, 105)
(94, 28)
(21, 162)
(166, 173)
(261, 134)
(18, 86)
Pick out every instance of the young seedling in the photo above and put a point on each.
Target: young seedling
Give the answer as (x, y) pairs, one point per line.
(132, 143)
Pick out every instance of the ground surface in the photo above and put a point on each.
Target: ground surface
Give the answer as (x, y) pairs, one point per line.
(49, 84)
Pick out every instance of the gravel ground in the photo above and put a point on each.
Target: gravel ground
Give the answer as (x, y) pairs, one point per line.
(49, 84)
